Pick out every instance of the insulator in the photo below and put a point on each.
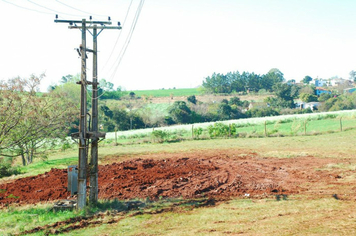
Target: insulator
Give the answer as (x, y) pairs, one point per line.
(109, 18)
(118, 23)
(90, 17)
(56, 16)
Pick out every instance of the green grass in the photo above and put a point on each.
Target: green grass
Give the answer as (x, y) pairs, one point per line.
(299, 215)
(168, 92)
(42, 166)
(296, 216)
(17, 219)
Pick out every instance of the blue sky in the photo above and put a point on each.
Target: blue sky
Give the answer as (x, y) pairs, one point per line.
(179, 43)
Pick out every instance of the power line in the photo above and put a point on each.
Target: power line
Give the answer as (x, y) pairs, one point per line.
(78, 9)
(127, 42)
(128, 39)
(26, 8)
(118, 37)
(51, 9)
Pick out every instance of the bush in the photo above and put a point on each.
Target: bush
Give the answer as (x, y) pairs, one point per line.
(159, 136)
(221, 130)
(197, 132)
(6, 169)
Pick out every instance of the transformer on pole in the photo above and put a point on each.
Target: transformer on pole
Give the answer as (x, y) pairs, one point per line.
(84, 135)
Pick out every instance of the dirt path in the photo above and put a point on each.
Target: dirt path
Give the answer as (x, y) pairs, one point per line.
(215, 173)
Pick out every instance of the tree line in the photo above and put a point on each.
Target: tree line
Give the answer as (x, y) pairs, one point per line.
(244, 82)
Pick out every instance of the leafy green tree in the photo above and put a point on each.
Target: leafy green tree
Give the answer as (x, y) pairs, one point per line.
(192, 99)
(70, 79)
(235, 101)
(180, 112)
(224, 111)
(106, 85)
(324, 96)
(273, 77)
(217, 83)
(308, 89)
(307, 79)
(308, 97)
(284, 96)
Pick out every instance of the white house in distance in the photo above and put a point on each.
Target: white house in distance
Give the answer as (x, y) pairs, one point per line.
(332, 82)
(340, 81)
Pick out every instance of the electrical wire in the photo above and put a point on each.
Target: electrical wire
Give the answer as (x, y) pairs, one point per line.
(78, 9)
(126, 44)
(55, 11)
(26, 8)
(118, 37)
(128, 39)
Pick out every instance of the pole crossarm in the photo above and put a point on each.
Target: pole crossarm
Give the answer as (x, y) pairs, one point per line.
(87, 22)
(92, 27)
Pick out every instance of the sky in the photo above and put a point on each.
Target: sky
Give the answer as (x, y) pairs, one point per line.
(180, 43)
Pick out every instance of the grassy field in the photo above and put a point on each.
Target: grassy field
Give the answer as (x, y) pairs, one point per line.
(168, 92)
(298, 215)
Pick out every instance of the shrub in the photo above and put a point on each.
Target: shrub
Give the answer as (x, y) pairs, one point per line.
(159, 136)
(221, 130)
(197, 132)
(6, 169)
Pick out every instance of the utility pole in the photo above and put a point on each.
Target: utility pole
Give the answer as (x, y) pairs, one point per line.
(93, 194)
(82, 162)
(84, 135)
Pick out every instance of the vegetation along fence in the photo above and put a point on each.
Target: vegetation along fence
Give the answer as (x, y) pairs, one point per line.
(287, 125)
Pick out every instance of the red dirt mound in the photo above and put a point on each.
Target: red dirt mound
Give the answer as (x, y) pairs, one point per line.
(216, 176)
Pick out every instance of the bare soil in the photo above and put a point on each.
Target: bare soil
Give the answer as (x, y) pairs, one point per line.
(213, 173)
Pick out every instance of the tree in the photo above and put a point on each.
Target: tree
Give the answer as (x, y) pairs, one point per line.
(235, 101)
(192, 99)
(307, 79)
(36, 122)
(305, 97)
(218, 83)
(284, 96)
(180, 112)
(70, 79)
(352, 75)
(274, 76)
(106, 85)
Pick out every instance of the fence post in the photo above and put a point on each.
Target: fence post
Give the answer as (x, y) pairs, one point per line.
(192, 131)
(115, 135)
(341, 124)
(305, 127)
(265, 129)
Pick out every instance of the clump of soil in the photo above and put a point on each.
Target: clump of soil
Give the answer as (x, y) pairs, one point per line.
(216, 176)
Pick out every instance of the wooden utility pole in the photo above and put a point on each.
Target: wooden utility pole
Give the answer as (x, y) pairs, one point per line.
(93, 195)
(82, 162)
(84, 135)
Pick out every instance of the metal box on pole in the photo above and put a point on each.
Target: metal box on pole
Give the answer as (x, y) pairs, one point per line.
(72, 179)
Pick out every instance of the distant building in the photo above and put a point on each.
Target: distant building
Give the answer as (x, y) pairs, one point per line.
(320, 83)
(340, 81)
(312, 105)
(319, 91)
(349, 90)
